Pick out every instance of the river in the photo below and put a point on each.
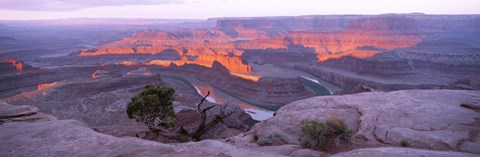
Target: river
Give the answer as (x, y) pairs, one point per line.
(220, 97)
(319, 86)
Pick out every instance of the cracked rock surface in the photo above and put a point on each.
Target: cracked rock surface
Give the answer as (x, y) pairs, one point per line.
(433, 121)
(427, 119)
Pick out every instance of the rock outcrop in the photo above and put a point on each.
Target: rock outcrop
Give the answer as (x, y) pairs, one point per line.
(74, 138)
(400, 152)
(101, 102)
(428, 119)
(433, 121)
(12, 65)
(12, 113)
(25, 132)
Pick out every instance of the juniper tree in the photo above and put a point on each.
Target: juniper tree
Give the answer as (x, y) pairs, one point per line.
(154, 107)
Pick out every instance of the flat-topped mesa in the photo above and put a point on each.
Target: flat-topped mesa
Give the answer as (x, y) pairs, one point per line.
(447, 23)
(277, 25)
(185, 42)
(351, 43)
(106, 51)
(379, 33)
(323, 23)
(232, 64)
(353, 37)
(182, 34)
(384, 24)
(232, 36)
(16, 63)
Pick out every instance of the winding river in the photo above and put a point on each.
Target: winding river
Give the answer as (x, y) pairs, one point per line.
(319, 86)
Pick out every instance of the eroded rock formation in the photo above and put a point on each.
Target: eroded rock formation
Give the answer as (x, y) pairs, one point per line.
(350, 49)
(17, 65)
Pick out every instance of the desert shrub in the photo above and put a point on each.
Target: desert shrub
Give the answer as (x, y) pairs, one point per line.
(339, 128)
(272, 139)
(153, 106)
(278, 139)
(404, 143)
(316, 134)
(264, 141)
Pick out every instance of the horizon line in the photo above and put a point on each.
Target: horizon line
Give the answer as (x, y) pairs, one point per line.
(147, 18)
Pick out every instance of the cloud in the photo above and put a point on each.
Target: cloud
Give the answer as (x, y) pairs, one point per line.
(67, 5)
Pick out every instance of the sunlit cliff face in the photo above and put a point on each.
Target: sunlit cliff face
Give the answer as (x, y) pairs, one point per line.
(234, 65)
(163, 63)
(128, 63)
(41, 91)
(191, 42)
(45, 85)
(247, 76)
(230, 39)
(17, 64)
(216, 46)
(351, 43)
(363, 38)
(210, 45)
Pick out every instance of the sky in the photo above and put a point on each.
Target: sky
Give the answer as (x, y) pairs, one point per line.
(202, 9)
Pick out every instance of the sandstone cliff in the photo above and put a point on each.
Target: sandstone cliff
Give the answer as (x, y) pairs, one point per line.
(391, 51)
(232, 64)
(9, 65)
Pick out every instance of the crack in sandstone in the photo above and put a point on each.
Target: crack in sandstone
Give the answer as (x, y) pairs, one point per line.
(17, 116)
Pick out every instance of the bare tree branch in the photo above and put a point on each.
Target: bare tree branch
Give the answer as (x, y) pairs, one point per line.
(180, 133)
(203, 99)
